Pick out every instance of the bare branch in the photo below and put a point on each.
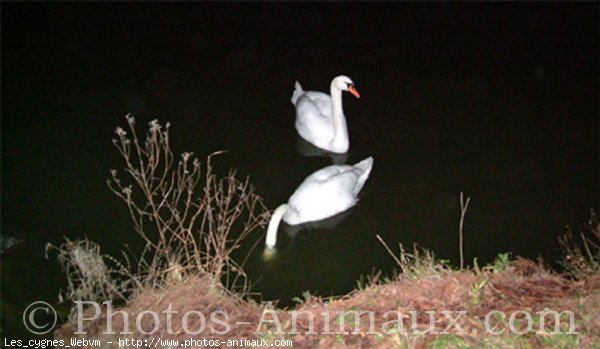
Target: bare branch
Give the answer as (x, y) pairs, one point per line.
(196, 225)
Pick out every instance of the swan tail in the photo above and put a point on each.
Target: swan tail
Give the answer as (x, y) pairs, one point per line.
(364, 168)
(297, 92)
(271, 238)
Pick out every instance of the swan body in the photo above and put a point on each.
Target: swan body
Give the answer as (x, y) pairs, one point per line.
(324, 193)
(320, 117)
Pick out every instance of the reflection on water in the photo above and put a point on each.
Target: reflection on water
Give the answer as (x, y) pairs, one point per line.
(269, 253)
(307, 149)
(328, 223)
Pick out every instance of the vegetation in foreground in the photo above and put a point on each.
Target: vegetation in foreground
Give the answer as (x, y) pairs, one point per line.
(182, 288)
(523, 304)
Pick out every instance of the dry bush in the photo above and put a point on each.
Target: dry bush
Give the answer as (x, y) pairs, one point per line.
(190, 218)
(89, 277)
(582, 258)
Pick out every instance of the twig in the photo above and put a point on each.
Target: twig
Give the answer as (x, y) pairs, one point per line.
(463, 210)
(389, 250)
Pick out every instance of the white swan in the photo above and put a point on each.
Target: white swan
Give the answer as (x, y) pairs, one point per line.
(324, 193)
(320, 118)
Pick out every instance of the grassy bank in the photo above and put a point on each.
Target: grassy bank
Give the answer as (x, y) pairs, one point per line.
(499, 306)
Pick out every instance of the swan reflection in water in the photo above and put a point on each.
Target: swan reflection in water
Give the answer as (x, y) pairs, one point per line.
(325, 224)
(307, 149)
(292, 230)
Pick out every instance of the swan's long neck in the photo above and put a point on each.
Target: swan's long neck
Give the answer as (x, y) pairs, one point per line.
(340, 131)
(271, 239)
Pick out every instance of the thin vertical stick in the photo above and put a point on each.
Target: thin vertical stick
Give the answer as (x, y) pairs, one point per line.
(463, 209)
(389, 250)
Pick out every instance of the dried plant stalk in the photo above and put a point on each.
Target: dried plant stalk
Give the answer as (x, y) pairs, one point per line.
(582, 258)
(464, 204)
(190, 219)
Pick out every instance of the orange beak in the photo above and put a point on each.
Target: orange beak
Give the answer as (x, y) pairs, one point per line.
(354, 92)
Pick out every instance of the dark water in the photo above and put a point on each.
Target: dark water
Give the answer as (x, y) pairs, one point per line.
(497, 100)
